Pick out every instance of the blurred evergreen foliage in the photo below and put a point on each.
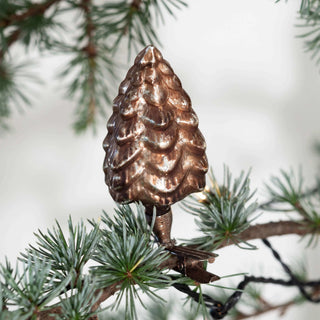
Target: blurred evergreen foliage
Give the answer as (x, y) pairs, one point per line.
(92, 41)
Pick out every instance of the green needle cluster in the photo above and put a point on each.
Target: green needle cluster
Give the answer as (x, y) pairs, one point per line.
(222, 211)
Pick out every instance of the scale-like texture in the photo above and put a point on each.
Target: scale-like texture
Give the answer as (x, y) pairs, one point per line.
(155, 152)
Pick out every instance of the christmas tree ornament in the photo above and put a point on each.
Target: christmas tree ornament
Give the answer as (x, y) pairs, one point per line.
(155, 152)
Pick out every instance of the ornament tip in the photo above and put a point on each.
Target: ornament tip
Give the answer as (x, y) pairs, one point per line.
(150, 54)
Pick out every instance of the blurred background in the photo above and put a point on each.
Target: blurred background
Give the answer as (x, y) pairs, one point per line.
(257, 96)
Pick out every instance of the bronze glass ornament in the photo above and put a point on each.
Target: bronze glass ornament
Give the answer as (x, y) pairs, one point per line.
(155, 152)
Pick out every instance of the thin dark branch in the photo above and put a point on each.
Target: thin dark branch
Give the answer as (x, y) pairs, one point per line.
(135, 5)
(294, 279)
(32, 11)
(91, 51)
(300, 209)
(90, 47)
(281, 307)
(103, 294)
(14, 36)
(49, 314)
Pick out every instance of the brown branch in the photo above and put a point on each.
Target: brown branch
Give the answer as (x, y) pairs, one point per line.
(14, 36)
(103, 294)
(86, 7)
(282, 307)
(36, 9)
(136, 4)
(300, 209)
(46, 315)
(258, 231)
(91, 52)
(270, 229)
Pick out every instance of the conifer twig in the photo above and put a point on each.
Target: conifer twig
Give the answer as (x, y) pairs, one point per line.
(104, 295)
(91, 51)
(304, 195)
(12, 38)
(134, 6)
(36, 9)
(47, 314)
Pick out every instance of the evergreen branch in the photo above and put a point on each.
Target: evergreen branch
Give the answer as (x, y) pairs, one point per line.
(223, 211)
(65, 254)
(50, 314)
(102, 294)
(224, 215)
(255, 232)
(89, 26)
(13, 37)
(288, 190)
(33, 288)
(309, 14)
(127, 260)
(106, 293)
(130, 259)
(13, 88)
(77, 303)
(102, 28)
(37, 9)
(138, 266)
(90, 67)
(91, 52)
(133, 20)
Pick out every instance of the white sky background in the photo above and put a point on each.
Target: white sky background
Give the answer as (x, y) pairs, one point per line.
(257, 95)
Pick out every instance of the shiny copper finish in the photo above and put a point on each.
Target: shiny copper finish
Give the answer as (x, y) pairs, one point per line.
(155, 152)
(198, 273)
(162, 228)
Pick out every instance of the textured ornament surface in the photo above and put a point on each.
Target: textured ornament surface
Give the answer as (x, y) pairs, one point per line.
(155, 152)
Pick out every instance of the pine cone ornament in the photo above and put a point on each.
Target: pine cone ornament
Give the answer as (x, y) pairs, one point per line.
(155, 152)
